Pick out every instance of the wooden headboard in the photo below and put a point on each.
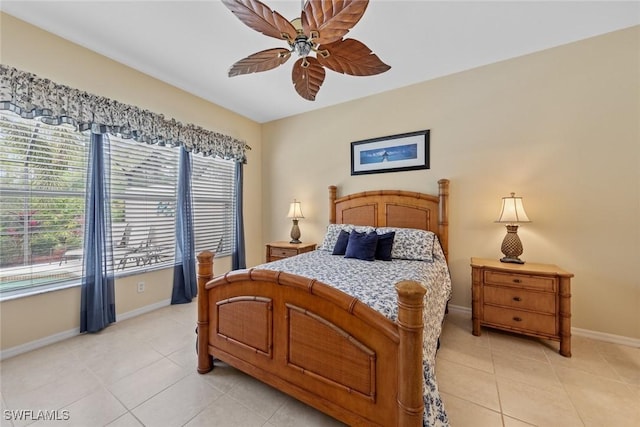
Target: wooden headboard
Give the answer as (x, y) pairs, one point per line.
(395, 208)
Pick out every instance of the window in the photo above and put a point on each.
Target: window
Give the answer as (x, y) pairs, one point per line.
(42, 186)
(213, 190)
(143, 198)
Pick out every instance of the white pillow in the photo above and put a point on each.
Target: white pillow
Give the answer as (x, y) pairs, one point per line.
(333, 230)
(411, 243)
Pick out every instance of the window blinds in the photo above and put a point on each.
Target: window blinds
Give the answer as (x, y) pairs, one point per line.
(42, 190)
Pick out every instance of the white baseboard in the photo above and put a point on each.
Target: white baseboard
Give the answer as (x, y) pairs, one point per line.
(143, 310)
(602, 336)
(460, 309)
(51, 339)
(33, 345)
(595, 335)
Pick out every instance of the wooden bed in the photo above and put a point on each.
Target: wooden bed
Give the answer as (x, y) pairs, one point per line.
(316, 343)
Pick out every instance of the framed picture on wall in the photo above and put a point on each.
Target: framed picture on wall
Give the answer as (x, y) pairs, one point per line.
(395, 153)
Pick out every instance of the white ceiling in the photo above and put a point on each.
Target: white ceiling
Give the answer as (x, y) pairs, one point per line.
(192, 44)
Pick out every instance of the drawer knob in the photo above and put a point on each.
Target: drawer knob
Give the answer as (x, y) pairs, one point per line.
(517, 299)
(517, 319)
(517, 281)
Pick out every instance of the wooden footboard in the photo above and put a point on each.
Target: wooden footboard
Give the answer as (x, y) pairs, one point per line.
(315, 343)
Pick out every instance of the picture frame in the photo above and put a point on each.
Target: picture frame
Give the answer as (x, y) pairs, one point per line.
(394, 153)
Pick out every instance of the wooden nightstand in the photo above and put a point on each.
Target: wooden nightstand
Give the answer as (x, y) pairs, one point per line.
(531, 299)
(280, 250)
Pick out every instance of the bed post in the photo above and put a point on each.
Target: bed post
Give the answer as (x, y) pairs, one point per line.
(332, 204)
(410, 375)
(443, 216)
(205, 273)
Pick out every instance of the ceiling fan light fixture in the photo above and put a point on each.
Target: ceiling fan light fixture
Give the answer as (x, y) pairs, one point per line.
(302, 46)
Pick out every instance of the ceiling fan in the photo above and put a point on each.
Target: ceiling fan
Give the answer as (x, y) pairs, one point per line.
(319, 30)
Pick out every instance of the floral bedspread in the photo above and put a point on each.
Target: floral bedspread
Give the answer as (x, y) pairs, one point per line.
(372, 282)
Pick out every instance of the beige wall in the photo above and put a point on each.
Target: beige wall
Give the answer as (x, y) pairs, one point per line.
(560, 128)
(31, 49)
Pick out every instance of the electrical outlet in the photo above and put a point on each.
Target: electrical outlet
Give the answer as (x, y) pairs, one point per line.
(140, 287)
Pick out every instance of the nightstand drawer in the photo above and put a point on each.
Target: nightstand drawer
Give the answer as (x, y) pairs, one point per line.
(535, 322)
(520, 280)
(520, 298)
(282, 252)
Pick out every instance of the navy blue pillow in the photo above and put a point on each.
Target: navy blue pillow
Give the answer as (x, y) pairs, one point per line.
(362, 246)
(385, 245)
(341, 244)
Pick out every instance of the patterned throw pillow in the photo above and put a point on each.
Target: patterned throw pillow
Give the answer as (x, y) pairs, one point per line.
(411, 243)
(333, 231)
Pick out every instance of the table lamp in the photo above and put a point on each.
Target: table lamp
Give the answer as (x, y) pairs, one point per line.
(512, 214)
(295, 212)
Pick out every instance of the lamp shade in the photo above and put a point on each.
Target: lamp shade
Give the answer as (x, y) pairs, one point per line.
(295, 210)
(512, 210)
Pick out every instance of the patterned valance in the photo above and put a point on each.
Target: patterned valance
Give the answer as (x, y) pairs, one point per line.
(33, 97)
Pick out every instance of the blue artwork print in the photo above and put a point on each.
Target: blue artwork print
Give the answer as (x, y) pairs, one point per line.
(389, 154)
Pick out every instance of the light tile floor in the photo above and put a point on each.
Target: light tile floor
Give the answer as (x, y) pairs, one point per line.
(141, 372)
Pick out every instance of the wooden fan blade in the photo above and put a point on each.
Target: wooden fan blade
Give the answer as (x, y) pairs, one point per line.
(261, 18)
(308, 78)
(260, 61)
(327, 21)
(349, 56)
